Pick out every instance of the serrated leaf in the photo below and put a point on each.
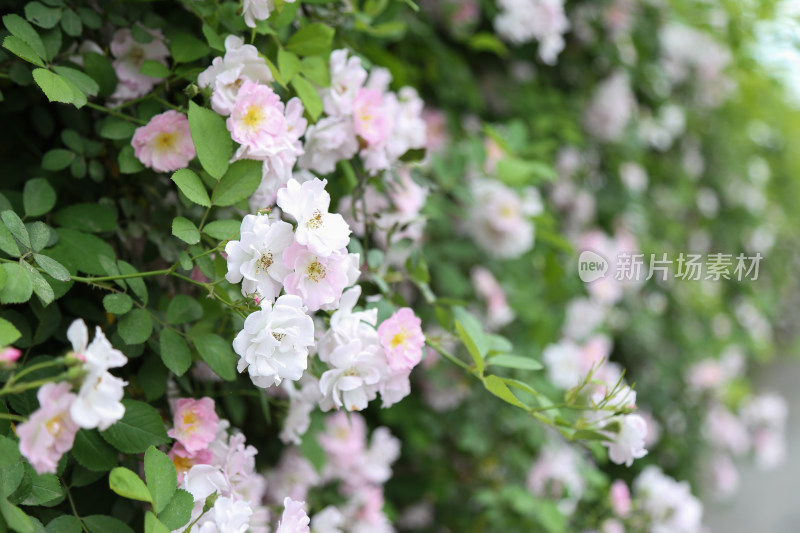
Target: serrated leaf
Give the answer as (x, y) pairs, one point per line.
(211, 139)
(7, 242)
(21, 28)
(140, 428)
(153, 524)
(41, 287)
(117, 304)
(21, 49)
(154, 69)
(92, 452)
(185, 230)
(16, 227)
(45, 489)
(55, 88)
(162, 480)
(39, 232)
(239, 182)
(135, 327)
(15, 517)
(41, 15)
(66, 523)
(136, 284)
(83, 82)
(106, 524)
(175, 352)
(218, 354)
(192, 187)
(128, 485)
(178, 511)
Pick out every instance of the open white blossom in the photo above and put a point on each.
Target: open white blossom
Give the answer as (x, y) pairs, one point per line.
(256, 259)
(274, 342)
(308, 204)
(628, 443)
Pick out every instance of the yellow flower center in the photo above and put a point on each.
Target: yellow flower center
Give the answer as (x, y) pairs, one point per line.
(316, 272)
(254, 117)
(189, 420)
(182, 464)
(315, 222)
(54, 426)
(264, 262)
(278, 336)
(166, 141)
(398, 339)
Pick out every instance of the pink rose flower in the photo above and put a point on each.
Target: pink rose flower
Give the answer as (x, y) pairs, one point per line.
(620, 498)
(195, 423)
(318, 280)
(50, 431)
(372, 122)
(184, 461)
(257, 121)
(402, 338)
(165, 143)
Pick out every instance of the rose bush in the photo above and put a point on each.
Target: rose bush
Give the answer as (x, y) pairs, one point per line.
(329, 255)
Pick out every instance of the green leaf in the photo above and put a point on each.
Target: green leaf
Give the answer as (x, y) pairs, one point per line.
(185, 230)
(496, 386)
(487, 42)
(213, 38)
(128, 485)
(471, 334)
(38, 197)
(15, 518)
(40, 234)
(55, 88)
(153, 524)
(41, 287)
(23, 50)
(106, 524)
(288, 65)
(154, 69)
(162, 481)
(52, 267)
(514, 361)
(92, 218)
(315, 68)
(136, 327)
(174, 351)
(9, 449)
(71, 23)
(3, 280)
(8, 335)
(117, 130)
(117, 304)
(16, 227)
(314, 39)
(66, 523)
(239, 183)
(84, 83)
(192, 187)
(515, 171)
(45, 489)
(186, 48)
(102, 71)
(178, 511)
(183, 309)
(218, 354)
(140, 427)
(136, 284)
(222, 229)
(7, 242)
(81, 251)
(20, 28)
(128, 163)
(92, 452)
(19, 285)
(211, 140)
(308, 94)
(41, 15)
(57, 159)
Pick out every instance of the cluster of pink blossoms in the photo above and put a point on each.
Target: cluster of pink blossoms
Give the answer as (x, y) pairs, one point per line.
(356, 466)
(363, 117)
(50, 431)
(129, 55)
(165, 142)
(521, 21)
(295, 271)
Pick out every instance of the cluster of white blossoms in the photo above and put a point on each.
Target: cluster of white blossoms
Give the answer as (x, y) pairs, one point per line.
(362, 116)
(669, 505)
(500, 218)
(521, 21)
(50, 430)
(295, 270)
(612, 106)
